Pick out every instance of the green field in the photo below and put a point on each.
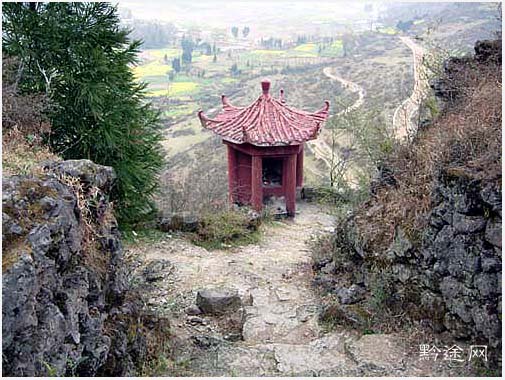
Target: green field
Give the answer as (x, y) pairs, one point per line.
(179, 110)
(335, 49)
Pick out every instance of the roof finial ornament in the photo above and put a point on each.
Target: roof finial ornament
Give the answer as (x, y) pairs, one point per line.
(281, 97)
(265, 86)
(224, 100)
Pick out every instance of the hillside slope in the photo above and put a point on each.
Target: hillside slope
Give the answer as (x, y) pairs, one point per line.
(426, 246)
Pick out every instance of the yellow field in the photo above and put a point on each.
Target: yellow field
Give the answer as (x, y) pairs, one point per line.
(268, 52)
(160, 53)
(229, 80)
(181, 110)
(388, 30)
(202, 58)
(176, 89)
(308, 48)
(151, 69)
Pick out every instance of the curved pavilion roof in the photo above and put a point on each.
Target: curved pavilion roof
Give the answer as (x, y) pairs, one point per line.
(266, 122)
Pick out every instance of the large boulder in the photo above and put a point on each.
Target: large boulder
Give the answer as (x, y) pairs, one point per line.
(218, 300)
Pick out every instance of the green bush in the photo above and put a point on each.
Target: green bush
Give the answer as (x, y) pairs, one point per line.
(224, 229)
(78, 55)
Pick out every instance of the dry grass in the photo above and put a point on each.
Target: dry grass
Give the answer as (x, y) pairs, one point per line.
(465, 139)
(23, 124)
(20, 157)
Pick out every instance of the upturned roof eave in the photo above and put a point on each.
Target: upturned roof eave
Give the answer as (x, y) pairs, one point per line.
(317, 118)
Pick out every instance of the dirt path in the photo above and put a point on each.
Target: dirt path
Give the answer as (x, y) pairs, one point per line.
(403, 123)
(281, 334)
(322, 151)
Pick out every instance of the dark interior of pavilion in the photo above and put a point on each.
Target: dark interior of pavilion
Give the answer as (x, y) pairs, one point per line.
(272, 172)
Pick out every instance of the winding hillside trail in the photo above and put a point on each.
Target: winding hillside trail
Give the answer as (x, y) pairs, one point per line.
(403, 123)
(319, 147)
(280, 329)
(403, 117)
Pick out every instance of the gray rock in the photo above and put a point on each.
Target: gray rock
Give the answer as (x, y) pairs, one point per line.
(57, 294)
(493, 232)
(178, 222)
(157, 270)
(441, 215)
(253, 220)
(353, 294)
(232, 337)
(194, 320)
(468, 224)
(325, 281)
(487, 284)
(328, 268)
(193, 310)
(87, 171)
(491, 264)
(488, 323)
(247, 299)
(218, 300)
(466, 199)
(457, 327)
(401, 245)
(205, 341)
(492, 196)
(403, 272)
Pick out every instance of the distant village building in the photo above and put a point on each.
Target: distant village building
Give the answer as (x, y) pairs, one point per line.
(265, 147)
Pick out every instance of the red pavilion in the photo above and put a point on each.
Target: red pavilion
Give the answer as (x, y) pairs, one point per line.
(265, 147)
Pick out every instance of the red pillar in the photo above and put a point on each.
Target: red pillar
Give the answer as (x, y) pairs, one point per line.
(290, 184)
(299, 168)
(232, 174)
(256, 183)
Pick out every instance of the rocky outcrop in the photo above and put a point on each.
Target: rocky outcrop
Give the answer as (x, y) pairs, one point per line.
(441, 267)
(461, 258)
(64, 278)
(488, 51)
(451, 278)
(448, 88)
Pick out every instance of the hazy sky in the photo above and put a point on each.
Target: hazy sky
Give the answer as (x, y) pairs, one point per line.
(226, 11)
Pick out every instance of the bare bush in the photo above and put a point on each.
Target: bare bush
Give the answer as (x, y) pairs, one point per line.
(23, 125)
(21, 111)
(466, 137)
(199, 189)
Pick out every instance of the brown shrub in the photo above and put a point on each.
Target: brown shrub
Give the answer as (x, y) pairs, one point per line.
(21, 111)
(466, 137)
(23, 125)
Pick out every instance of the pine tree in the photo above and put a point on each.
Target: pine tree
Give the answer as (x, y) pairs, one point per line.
(80, 56)
(187, 45)
(176, 64)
